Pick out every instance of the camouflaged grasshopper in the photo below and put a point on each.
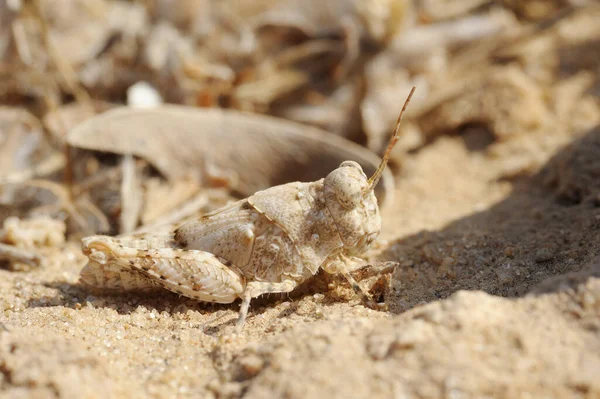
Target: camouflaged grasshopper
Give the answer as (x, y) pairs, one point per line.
(267, 243)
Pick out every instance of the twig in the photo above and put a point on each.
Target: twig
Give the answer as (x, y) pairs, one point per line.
(131, 197)
(14, 254)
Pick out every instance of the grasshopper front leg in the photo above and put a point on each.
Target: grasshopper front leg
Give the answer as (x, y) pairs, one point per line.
(112, 277)
(344, 265)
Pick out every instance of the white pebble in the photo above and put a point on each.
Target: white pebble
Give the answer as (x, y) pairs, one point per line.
(143, 95)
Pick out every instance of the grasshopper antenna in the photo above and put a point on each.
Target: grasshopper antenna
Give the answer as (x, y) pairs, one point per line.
(373, 180)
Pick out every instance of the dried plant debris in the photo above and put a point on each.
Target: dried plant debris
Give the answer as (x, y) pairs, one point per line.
(63, 119)
(507, 102)
(24, 150)
(19, 239)
(16, 257)
(40, 231)
(422, 55)
(44, 198)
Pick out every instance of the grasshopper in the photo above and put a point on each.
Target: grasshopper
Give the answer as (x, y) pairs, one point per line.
(269, 242)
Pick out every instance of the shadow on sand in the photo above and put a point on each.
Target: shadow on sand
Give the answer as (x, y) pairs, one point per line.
(548, 226)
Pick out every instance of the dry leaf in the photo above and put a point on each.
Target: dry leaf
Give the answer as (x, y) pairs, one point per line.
(263, 151)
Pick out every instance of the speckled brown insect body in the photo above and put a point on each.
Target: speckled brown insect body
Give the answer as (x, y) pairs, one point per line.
(267, 243)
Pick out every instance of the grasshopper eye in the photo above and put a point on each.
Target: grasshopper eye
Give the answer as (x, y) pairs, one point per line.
(346, 184)
(351, 164)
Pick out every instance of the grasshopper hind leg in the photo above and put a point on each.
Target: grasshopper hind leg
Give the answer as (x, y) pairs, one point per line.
(191, 273)
(255, 289)
(112, 277)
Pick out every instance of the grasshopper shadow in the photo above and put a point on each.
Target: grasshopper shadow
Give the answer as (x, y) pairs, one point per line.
(73, 295)
(548, 227)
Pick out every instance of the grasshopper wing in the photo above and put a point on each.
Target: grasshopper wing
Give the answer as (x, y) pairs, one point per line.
(228, 233)
(297, 210)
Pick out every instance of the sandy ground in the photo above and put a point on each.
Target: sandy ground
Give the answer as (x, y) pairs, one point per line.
(497, 294)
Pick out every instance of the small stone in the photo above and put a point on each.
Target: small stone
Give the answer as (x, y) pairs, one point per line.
(252, 365)
(318, 297)
(543, 255)
(143, 95)
(505, 273)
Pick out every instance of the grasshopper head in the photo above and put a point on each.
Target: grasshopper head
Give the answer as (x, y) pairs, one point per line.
(349, 197)
(353, 206)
